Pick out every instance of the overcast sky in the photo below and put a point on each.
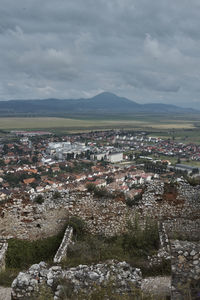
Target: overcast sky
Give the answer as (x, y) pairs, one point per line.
(147, 51)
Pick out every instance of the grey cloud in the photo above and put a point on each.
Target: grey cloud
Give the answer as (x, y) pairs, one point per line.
(141, 49)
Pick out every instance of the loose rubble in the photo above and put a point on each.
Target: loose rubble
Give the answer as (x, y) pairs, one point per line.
(120, 274)
(185, 269)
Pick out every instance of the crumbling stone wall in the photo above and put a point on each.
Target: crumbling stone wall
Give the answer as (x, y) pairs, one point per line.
(164, 249)
(185, 258)
(185, 228)
(28, 220)
(82, 277)
(62, 250)
(184, 206)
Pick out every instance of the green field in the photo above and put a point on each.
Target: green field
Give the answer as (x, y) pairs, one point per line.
(52, 122)
(182, 128)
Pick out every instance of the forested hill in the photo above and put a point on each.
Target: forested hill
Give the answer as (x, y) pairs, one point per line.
(102, 104)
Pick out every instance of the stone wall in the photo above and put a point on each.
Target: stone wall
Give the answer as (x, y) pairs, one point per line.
(164, 249)
(183, 228)
(185, 258)
(62, 250)
(82, 277)
(28, 220)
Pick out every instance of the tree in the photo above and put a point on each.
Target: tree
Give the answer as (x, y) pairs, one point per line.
(5, 149)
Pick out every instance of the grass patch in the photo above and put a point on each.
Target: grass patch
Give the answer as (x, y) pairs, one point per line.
(22, 253)
(134, 246)
(7, 276)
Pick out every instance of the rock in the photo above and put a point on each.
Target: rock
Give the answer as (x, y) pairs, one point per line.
(122, 274)
(56, 268)
(93, 275)
(23, 279)
(42, 264)
(33, 282)
(50, 282)
(50, 275)
(181, 258)
(192, 253)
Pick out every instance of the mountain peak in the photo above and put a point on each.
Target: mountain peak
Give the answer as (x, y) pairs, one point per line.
(104, 103)
(105, 95)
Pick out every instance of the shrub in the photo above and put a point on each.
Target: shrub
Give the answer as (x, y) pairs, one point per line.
(91, 187)
(101, 193)
(39, 199)
(78, 225)
(134, 201)
(56, 195)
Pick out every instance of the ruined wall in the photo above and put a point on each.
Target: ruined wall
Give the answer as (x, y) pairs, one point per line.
(184, 205)
(82, 277)
(183, 228)
(62, 250)
(29, 220)
(185, 258)
(164, 249)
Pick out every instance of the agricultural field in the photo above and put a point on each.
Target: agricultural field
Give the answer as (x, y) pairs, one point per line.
(54, 122)
(183, 135)
(182, 128)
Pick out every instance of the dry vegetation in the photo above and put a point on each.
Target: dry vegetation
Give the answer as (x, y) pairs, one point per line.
(74, 124)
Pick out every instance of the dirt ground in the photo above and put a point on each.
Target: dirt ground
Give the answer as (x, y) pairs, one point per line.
(5, 293)
(157, 285)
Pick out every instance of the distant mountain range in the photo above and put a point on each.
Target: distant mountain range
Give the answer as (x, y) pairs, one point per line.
(102, 104)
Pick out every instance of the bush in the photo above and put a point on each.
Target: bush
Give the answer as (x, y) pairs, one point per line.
(91, 187)
(78, 225)
(39, 199)
(102, 193)
(134, 201)
(56, 195)
(99, 192)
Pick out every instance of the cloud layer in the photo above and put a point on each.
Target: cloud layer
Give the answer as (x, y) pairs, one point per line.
(145, 50)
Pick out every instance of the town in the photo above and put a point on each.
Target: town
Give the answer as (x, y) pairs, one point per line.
(112, 181)
(38, 162)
